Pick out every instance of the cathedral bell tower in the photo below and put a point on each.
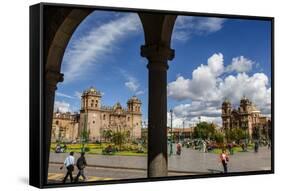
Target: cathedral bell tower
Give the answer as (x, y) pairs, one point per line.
(226, 114)
(134, 105)
(90, 113)
(134, 116)
(246, 107)
(91, 99)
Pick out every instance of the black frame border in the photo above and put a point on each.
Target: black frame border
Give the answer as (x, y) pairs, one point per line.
(36, 98)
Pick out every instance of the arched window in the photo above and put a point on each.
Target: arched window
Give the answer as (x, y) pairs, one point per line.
(103, 116)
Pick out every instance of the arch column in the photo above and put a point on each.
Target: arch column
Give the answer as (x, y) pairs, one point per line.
(158, 30)
(52, 78)
(157, 108)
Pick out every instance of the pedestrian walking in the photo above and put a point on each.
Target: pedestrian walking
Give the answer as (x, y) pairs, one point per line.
(204, 145)
(69, 164)
(224, 160)
(178, 149)
(81, 164)
(256, 146)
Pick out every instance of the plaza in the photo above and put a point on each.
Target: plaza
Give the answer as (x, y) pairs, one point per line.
(190, 162)
(190, 98)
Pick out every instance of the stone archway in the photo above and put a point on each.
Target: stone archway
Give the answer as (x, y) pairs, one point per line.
(62, 22)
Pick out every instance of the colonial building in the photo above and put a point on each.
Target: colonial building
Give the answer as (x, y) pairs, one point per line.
(65, 126)
(246, 116)
(96, 118)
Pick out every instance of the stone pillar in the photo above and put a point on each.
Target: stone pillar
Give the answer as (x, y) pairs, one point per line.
(51, 80)
(158, 56)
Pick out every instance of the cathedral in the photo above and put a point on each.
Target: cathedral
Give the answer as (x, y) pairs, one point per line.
(247, 116)
(96, 118)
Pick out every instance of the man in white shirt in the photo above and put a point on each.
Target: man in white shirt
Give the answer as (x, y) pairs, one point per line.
(69, 164)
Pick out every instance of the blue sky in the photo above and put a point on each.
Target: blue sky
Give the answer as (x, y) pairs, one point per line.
(214, 59)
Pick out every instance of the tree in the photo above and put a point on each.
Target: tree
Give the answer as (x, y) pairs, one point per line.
(218, 137)
(269, 129)
(84, 139)
(118, 138)
(204, 130)
(107, 134)
(144, 136)
(235, 134)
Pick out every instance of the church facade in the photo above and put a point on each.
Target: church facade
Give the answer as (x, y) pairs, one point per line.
(246, 116)
(95, 118)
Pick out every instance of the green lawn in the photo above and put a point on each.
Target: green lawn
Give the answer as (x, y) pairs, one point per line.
(235, 150)
(97, 149)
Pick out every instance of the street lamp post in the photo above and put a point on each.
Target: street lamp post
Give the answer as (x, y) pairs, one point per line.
(171, 140)
(192, 130)
(182, 134)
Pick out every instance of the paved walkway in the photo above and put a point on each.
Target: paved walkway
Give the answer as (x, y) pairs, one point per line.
(190, 162)
(100, 173)
(195, 161)
(58, 177)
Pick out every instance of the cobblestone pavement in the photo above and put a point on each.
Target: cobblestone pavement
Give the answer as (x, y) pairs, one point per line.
(189, 162)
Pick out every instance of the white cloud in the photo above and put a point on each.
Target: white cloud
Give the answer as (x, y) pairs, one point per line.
(64, 95)
(85, 52)
(197, 108)
(202, 86)
(215, 63)
(77, 94)
(140, 92)
(62, 106)
(177, 121)
(190, 113)
(209, 86)
(181, 35)
(240, 64)
(132, 85)
(188, 26)
(210, 24)
(254, 87)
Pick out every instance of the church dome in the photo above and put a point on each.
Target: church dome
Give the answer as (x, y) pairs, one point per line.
(92, 91)
(245, 100)
(226, 102)
(134, 99)
(117, 106)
